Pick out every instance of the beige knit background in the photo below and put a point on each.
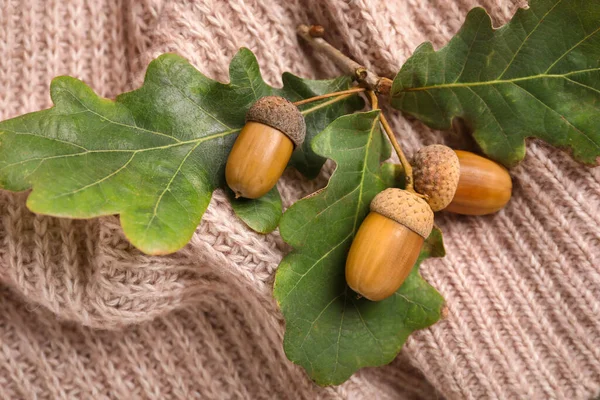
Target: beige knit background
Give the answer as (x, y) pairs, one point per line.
(84, 315)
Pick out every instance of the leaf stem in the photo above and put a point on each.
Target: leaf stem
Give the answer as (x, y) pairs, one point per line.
(374, 100)
(373, 83)
(408, 172)
(327, 95)
(365, 78)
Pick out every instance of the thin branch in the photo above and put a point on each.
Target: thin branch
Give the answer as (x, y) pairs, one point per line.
(327, 95)
(362, 75)
(408, 172)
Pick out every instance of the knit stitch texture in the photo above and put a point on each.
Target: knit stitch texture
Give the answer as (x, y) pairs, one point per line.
(83, 314)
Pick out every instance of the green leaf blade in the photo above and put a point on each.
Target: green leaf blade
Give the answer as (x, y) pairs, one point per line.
(317, 115)
(262, 214)
(154, 155)
(537, 76)
(329, 331)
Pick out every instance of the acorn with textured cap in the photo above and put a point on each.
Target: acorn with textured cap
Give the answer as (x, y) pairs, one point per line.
(460, 181)
(388, 243)
(274, 127)
(436, 171)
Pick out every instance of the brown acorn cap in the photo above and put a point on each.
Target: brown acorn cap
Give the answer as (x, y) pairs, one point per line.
(281, 114)
(436, 174)
(405, 208)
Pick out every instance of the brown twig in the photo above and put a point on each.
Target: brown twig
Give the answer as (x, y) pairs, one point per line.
(408, 172)
(328, 95)
(362, 75)
(365, 78)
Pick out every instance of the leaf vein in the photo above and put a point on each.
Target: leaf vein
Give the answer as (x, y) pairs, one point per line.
(366, 327)
(571, 49)
(134, 127)
(319, 316)
(362, 178)
(337, 353)
(168, 146)
(44, 137)
(462, 71)
(158, 201)
(99, 181)
(303, 275)
(493, 116)
(188, 98)
(540, 20)
(560, 115)
(413, 302)
(497, 82)
(583, 85)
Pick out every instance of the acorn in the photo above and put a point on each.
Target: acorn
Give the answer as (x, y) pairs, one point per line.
(460, 181)
(484, 186)
(435, 174)
(274, 128)
(388, 243)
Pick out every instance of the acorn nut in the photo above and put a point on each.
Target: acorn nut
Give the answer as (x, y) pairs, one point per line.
(388, 243)
(484, 186)
(274, 127)
(460, 181)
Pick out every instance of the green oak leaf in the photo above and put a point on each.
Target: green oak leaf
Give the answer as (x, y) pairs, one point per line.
(537, 76)
(154, 155)
(262, 214)
(329, 331)
(317, 115)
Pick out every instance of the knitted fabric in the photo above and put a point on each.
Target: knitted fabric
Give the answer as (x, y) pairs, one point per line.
(83, 314)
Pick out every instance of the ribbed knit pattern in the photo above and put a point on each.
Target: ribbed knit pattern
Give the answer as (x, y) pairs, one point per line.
(85, 315)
